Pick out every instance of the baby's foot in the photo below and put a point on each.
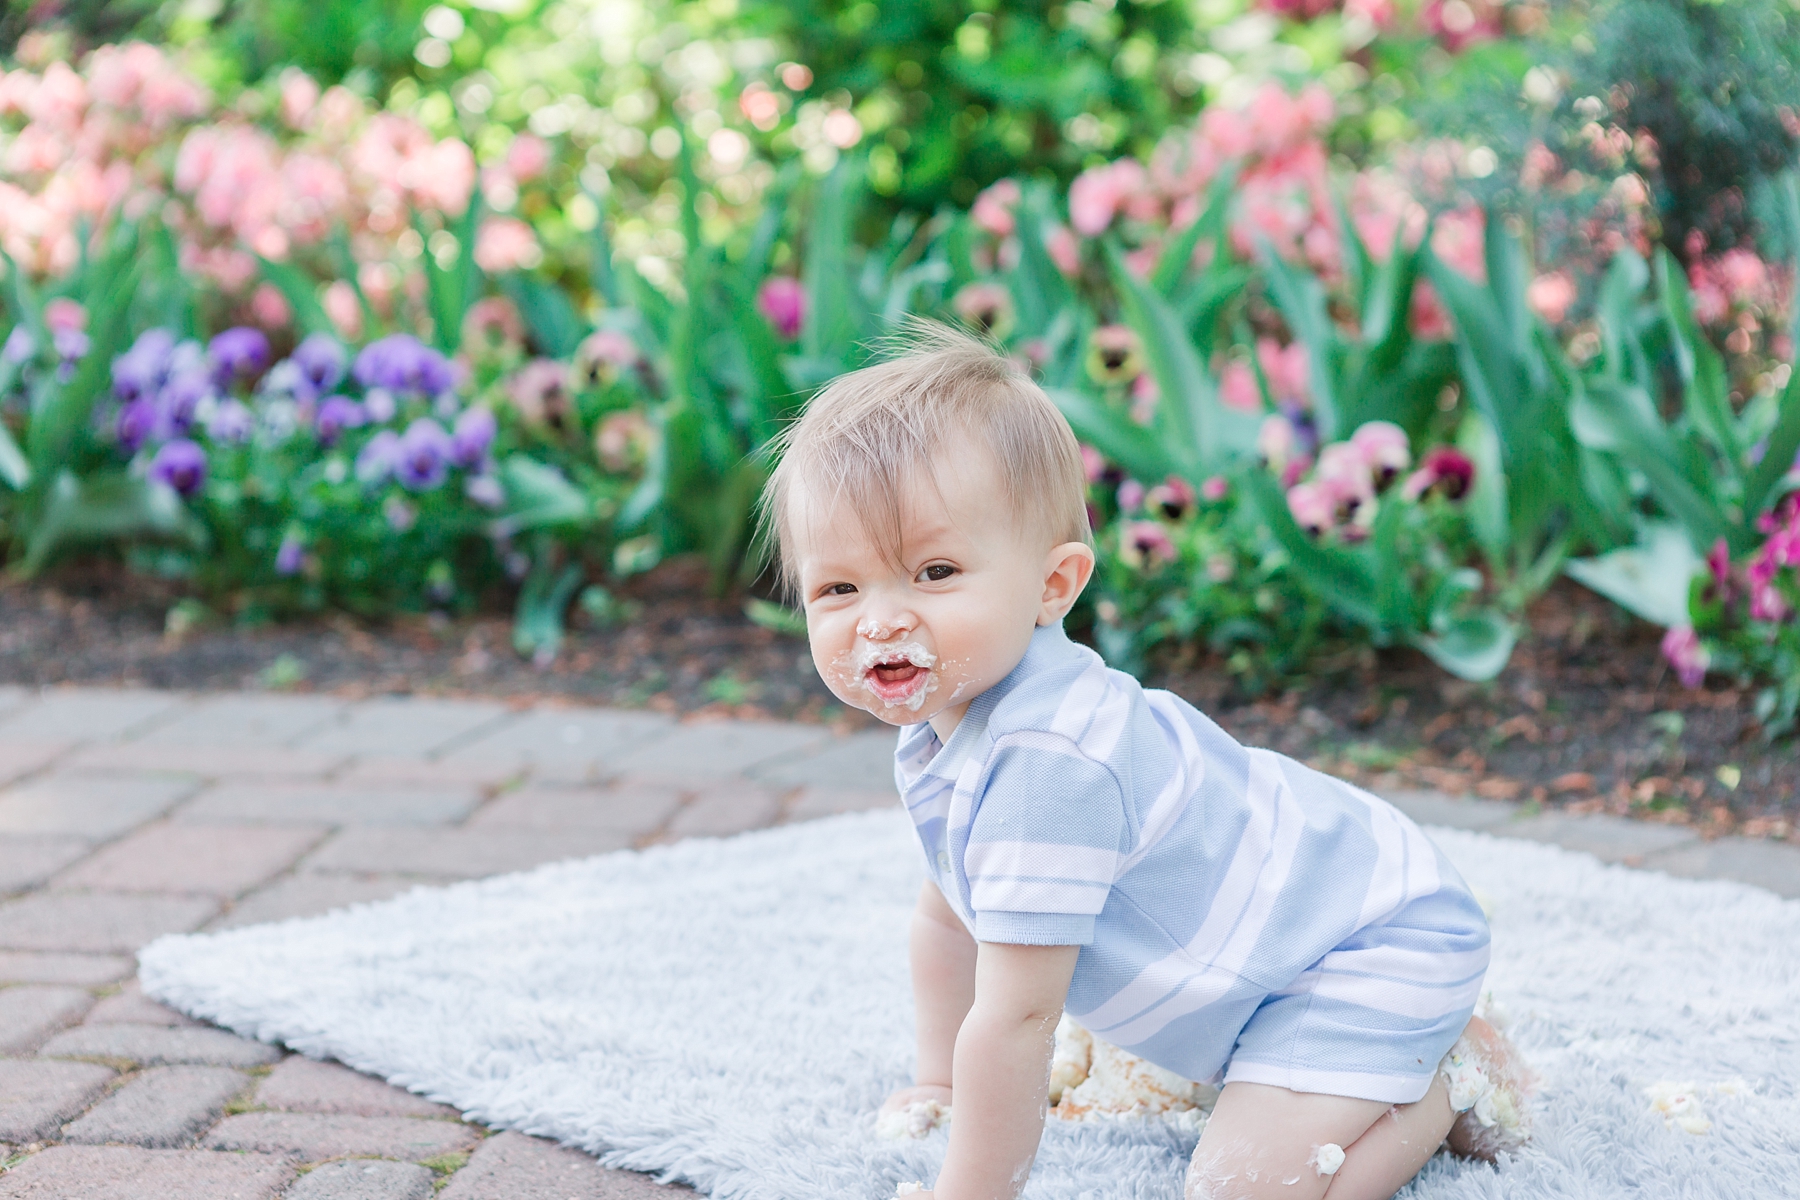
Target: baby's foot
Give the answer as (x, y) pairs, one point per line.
(913, 1112)
(1488, 1084)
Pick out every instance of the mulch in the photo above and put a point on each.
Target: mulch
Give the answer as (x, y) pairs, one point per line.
(1586, 718)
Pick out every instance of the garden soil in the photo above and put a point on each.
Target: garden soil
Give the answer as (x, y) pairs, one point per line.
(1586, 718)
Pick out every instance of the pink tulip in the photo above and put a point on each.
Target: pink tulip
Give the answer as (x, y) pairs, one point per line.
(1064, 250)
(345, 311)
(1288, 369)
(1550, 295)
(1460, 240)
(506, 244)
(299, 97)
(1146, 544)
(783, 302)
(993, 208)
(63, 315)
(1238, 389)
(1429, 319)
(270, 308)
(1098, 194)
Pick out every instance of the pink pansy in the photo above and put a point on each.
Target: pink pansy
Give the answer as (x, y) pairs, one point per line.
(782, 301)
(1146, 544)
(1214, 488)
(506, 244)
(1276, 441)
(1550, 296)
(1145, 394)
(1313, 506)
(1444, 469)
(985, 307)
(1682, 647)
(270, 308)
(993, 208)
(1344, 473)
(1093, 463)
(1384, 449)
(1174, 498)
(1237, 388)
(1130, 496)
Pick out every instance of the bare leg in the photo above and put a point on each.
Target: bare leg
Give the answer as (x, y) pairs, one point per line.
(1262, 1142)
(1470, 1137)
(1390, 1153)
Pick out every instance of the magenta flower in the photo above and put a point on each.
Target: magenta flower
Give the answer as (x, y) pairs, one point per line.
(1214, 488)
(180, 464)
(1687, 654)
(782, 301)
(1314, 507)
(1130, 496)
(1718, 562)
(1448, 471)
(1173, 497)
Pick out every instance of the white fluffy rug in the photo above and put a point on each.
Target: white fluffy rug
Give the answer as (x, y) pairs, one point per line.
(730, 1013)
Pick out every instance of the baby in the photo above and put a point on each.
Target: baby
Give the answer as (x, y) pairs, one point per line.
(1090, 845)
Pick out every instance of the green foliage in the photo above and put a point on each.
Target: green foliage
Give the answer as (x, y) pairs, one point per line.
(329, 39)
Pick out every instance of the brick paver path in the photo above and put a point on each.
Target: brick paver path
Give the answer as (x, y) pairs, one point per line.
(125, 815)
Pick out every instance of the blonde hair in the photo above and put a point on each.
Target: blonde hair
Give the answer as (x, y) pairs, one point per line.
(862, 439)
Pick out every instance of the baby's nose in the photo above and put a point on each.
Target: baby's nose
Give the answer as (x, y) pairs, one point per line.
(878, 630)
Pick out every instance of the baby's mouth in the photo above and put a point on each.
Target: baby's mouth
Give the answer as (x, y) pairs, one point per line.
(898, 675)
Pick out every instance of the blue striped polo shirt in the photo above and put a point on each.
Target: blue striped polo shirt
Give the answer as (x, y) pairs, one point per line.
(1232, 905)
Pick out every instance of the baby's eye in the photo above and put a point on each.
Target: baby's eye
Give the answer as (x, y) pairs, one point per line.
(841, 589)
(937, 573)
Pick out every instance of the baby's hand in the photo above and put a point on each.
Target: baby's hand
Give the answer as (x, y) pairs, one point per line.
(917, 1094)
(913, 1112)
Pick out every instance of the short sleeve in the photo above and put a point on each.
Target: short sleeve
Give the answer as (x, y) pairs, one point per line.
(1045, 842)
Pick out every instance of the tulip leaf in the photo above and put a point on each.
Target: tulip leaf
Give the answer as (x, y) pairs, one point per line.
(1112, 432)
(1650, 578)
(778, 617)
(1486, 504)
(538, 615)
(539, 496)
(1706, 387)
(832, 326)
(105, 507)
(296, 287)
(1172, 264)
(548, 315)
(1623, 284)
(13, 466)
(1342, 578)
(1476, 647)
(1301, 298)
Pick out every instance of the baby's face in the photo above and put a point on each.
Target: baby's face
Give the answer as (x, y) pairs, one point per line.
(918, 640)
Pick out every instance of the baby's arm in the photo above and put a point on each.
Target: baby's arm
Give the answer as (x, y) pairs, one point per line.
(1002, 1071)
(943, 975)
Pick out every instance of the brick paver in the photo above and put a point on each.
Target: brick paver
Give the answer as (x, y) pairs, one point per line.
(37, 1097)
(215, 860)
(87, 970)
(151, 1046)
(163, 1108)
(332, 804)
(511, 1166)
(128, 1173)
(29, 859)
(632, 811)
(364, 1179)
(457, 853)
(309, 895)
(127, 815)
(32, 1012)
(97, 922)
(313, 1136)
(305, 1085)
(96, 807)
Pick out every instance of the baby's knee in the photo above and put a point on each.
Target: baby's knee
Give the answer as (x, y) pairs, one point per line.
(1238, 1173)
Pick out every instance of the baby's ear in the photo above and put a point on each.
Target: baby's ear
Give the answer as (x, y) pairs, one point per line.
(1067, 569)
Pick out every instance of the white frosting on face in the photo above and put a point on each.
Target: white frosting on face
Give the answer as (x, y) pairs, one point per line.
(869, 654)
(855, 666)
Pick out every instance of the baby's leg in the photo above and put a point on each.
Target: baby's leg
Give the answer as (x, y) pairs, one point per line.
(1264, 1143)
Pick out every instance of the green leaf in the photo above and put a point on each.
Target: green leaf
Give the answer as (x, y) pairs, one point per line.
(297, 287)
(540, 497)
(13, 467)
(1706, 387)
(1621, 419)
(105, 507)
(1112, 432)
(1650, 578)
(1341, 578)
(1486, 503)
(1625, 282)
(548, 315)
(1301, 298)
(1172, 264)
(538, 616)
(778, 617)
(832, 324)
(1198, 430)
(1476, 647)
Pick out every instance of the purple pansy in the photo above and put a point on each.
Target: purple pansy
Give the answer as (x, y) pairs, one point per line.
(376, 461)
(336, 414)
(423, 457)
(134, 424)
(141, 370)
(402, 363)
(472, 435)
(20, 345)
(321, 359)
(238, 353)
(231, 421)
(177, 402)
(290, 556)
(181, 464)
(485, 490)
